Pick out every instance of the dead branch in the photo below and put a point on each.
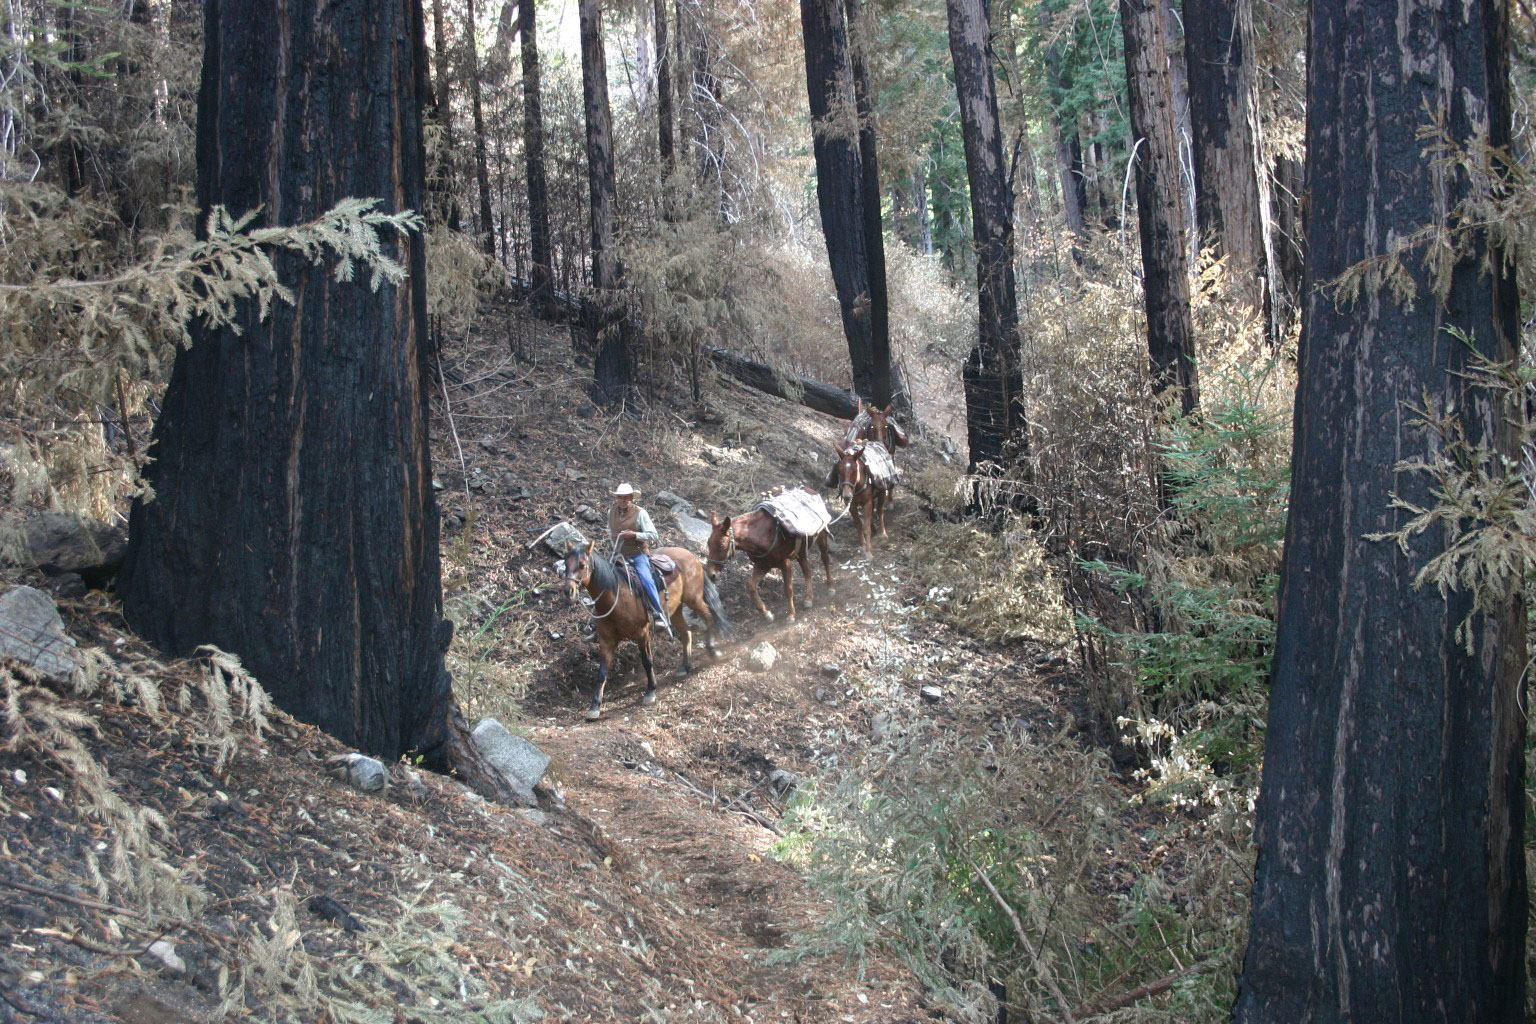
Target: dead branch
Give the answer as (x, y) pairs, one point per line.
(1024, 940)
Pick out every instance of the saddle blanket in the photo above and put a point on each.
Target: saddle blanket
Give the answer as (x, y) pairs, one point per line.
(881, 468)
(800, 511)
(856, 427)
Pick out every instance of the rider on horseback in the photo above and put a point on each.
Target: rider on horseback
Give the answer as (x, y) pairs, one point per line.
(630, 527)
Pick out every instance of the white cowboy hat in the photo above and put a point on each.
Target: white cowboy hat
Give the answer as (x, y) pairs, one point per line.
(624, 491)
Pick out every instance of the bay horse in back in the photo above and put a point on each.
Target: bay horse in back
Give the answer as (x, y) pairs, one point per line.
(619, 611)
(769, 546)
(865, 479)
(883, 428)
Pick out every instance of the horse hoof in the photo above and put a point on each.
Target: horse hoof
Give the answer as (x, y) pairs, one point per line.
(593, 714)
(768, 616)
(790, 620)
(649, 697)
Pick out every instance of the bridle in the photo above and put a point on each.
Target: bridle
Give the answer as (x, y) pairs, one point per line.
(582, 583)
(730, 548)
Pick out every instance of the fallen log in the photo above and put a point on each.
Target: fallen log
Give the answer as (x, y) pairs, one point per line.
(812, 394)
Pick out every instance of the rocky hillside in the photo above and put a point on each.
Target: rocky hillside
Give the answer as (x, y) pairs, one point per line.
(176, 852)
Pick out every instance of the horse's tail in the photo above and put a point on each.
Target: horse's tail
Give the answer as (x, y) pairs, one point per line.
(722, 625)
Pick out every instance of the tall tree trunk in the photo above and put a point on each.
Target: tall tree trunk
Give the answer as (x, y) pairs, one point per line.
(1232, 183)
(1183, 132)
(325, 583)
(921, 211)
(487, 228)
(1390, 883)
(882, 391)
(1290, 242)
(840, 180)
(704, 97)
(608, 326)
(994, 387)
(441, 178)
(541, 271)
(664, 145)
(1159, 201)
(1069, 155)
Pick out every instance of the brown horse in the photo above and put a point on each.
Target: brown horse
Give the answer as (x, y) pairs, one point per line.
(619, 611)
(871, 424)
(768, 546)
(866, 496)
(882, 427)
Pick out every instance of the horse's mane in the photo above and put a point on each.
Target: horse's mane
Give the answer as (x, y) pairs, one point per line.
(608, 576)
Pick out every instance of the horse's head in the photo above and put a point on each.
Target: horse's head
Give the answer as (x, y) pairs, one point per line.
(722, 543)
(578, 569)
(879, 426)
(850, 469)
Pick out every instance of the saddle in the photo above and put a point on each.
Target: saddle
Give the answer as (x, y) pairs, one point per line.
(663, 571)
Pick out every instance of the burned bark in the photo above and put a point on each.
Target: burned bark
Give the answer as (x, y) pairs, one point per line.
(1159, 201)
(1390, 883)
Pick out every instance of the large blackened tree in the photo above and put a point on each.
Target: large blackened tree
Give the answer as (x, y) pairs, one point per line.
(994, 385)
(840, 184)
(487, 228)
(533, 156)
(1390, 883)
(881, 389)
(1159, 202)
(293, 521)
(1231, 181)
(606, 320)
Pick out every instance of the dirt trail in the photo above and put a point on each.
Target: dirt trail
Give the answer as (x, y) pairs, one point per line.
(647, 888)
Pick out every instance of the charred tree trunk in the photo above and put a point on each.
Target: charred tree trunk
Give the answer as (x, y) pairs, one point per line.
(1069, 155)
(541, 270)
(921, 210)
(840, 179)
(812, 394)
(607, 322)
(994, 399)
(486, 229)
(1159, 201)
(441, 178)
(325, 583)
(1390, 883)
(1232, 183)
(1290, 243)
(664, 145)
(881, 392)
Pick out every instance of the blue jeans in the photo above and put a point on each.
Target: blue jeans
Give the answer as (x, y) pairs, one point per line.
(642, 566)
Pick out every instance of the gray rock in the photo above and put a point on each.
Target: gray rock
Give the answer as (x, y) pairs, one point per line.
(674, 502)
(533, 816)
(521, 763)
(57, 543)
(166, 953)
(880, 727)
(932, 694)
(32, 633)
(361, 772)
(783, 781)
(561, 535)
(410, 784)
(509, 483)
(762, 657)
(696, 530)
(830, 669)
(590, 514)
